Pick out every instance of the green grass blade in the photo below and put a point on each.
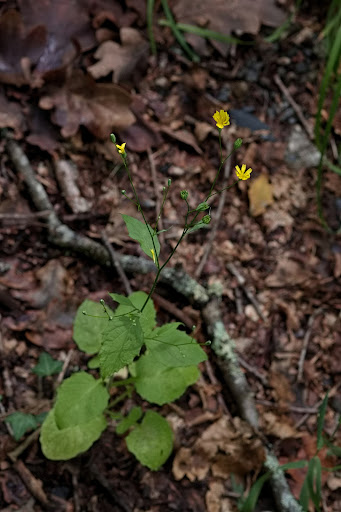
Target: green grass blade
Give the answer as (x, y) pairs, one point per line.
(285, 25)
(251, 501)
(304, 495)
(177, 33)
(320, 422)
(150, 13)
(314, 482)
(332, 166)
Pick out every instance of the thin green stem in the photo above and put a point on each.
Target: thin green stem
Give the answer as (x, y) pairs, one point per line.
(225, 188)
(118, 399)
(165, 193)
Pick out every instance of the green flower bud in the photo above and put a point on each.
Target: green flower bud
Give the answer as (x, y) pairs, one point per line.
(238, 143)
(202, 207)
(184, 194)
(206, 219)
(169, 182)
(123, 192)
(113, 138)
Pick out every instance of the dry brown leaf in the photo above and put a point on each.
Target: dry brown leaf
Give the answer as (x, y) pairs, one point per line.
(277, 426)
(287, 273)
(183, 136)
(260, 195)
(101, 108)
(245, 16)
(120, 59)
(215, 499)
(11, 116)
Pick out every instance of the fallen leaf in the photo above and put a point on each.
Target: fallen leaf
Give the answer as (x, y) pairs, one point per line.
(183, 136)
(287, 273)
(141, 137)
(16, 43)
(244, 16)
(260, 195)
(278, 426)
(11, 116)
(121, 59)
(101, 108)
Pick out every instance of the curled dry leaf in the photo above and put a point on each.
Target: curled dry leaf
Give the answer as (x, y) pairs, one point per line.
(101, 108)
(11, 116)
(120, 59)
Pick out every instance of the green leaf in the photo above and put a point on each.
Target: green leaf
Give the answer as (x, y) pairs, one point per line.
(47, 365)
(94, 362)
(147, 318)
(66, 443)
(159, 384)
(304, 495)
(152, 441)
(296, 464)
(143, 235)
(121, 299)
(122, 342)
(200, 225)
(320, 422)
(314, 481)
(251, 501)
(133, 416)
(87, 331)
(174, 348)
(80, 399)
(21, 423)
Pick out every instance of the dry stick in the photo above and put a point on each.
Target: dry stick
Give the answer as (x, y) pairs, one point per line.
(223, 345)
(253, 370)
(116, 263)
(157, 193)
(305, 345)
(241, 281)
(295, 106)
(34, 485)
(66, 363)
(220, 208)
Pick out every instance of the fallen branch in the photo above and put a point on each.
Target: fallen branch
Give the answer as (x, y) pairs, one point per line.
(222, 344)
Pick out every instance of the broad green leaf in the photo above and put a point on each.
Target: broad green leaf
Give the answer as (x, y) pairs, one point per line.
(47, 365)
(130, 420)
(87, 330)
(122, 342)
(94, 362)
(174, 348)
(143, 235)
(152, 441)
(159, 384)
(66, 443)
(147, 318)
(80, 399)
(320, 422)
(121, 299)
(21, 423)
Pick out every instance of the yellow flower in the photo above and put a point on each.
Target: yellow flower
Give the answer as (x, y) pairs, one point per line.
(120, 148)
(221, 118)
(242, 173)
(153, 254)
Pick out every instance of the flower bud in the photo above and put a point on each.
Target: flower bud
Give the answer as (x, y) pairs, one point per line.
(113, 138)
(123, 192)
(206, 219)
(184, 194)
(169, 182)
(202, 207)
(237, 143)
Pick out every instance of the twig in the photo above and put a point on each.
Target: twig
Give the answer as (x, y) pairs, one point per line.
(65, 366)
(156, 192)
(14, 454)
(173, 310)
(34, 485)
(213, 231)
(253, 371)
(305, 345)
(241, 281)
(295, 106)
(116, 263)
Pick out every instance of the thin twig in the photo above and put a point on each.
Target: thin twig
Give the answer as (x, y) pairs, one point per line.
(157, 193)
(116, 263)
(173, 310)
(308, 128)
(241, 281)
(253, 371)
(65, 366)
(220, 208)
(305, 345)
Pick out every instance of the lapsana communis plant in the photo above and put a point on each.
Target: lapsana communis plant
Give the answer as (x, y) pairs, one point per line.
(161, 361)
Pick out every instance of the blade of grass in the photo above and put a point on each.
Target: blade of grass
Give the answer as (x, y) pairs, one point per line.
(177, 33)
(320, 422)
(150, 13)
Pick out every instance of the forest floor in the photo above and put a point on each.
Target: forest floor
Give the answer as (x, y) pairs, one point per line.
(71, 76)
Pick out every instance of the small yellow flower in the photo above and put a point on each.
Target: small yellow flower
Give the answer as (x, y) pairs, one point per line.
(120, 148)
(153, 254)
(221, 118)
(242, 173)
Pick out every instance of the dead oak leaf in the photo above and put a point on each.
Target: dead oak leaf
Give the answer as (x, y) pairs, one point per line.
(242, 16)
(120, 59)
(101, 108)
(260, 195)
(18, 48)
